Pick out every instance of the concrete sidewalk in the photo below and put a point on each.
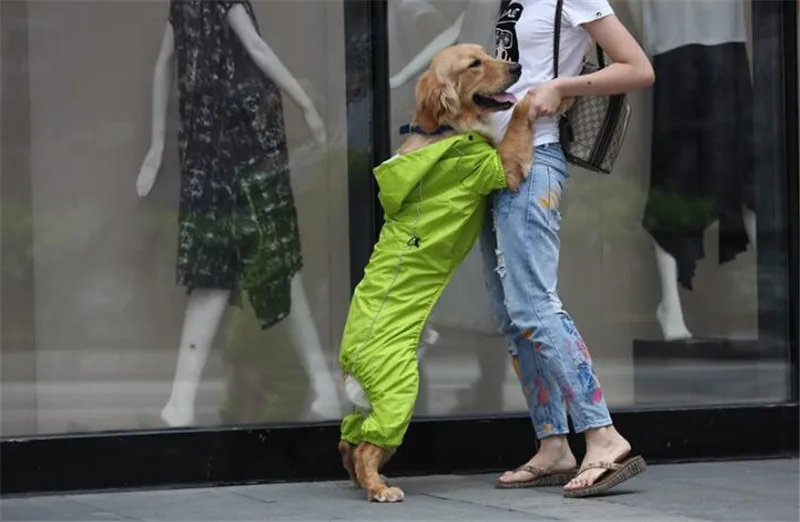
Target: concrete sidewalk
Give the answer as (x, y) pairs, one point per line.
(755, 490)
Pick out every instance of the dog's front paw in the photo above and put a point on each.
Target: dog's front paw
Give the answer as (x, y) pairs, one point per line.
(526, 169)
(514, 177)
(387, 495)
(524, 111)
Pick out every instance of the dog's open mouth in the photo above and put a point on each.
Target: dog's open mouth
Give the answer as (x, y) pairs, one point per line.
(499, 101)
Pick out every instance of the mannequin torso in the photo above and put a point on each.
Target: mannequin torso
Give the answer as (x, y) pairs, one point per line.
(231, 112)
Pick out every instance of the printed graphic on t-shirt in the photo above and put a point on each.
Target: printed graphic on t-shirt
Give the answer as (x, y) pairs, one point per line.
(505, 33)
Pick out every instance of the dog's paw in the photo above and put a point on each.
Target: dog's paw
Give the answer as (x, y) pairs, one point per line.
(357, 484)
(387, 495)
(514, 177)
(524, 109)
(526, 170)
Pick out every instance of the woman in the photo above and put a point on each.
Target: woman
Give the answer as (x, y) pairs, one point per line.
(521, 246)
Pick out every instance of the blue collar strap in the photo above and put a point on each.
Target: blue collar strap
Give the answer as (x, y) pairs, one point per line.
(416, 129)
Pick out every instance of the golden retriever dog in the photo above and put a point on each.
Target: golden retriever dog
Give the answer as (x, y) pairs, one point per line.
(460, 90)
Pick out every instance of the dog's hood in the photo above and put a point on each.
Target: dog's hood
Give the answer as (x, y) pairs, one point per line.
(399, 175)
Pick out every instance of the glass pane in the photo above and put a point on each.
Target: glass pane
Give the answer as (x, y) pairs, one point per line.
(702, 318)
(98, 329)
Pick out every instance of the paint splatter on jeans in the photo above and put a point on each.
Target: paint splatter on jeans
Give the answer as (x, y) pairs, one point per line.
(520, 250)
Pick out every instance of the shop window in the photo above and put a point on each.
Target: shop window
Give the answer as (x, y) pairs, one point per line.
(104, 233)
(666, 267)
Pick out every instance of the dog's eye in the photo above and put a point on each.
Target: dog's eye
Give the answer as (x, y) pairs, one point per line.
(475, 63)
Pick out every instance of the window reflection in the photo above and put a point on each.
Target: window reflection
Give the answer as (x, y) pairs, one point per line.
(241, 197)
(658, 263)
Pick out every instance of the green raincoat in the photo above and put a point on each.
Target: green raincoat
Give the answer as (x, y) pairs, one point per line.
(434, 202)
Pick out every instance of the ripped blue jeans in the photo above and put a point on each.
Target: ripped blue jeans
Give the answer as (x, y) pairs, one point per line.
(520, 252)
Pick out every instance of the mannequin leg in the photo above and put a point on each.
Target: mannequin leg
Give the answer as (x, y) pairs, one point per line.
(669, 312)
(750, 225)
(303, 335)
(203, 315)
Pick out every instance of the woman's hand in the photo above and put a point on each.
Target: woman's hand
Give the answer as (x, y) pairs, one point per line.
(545, 101)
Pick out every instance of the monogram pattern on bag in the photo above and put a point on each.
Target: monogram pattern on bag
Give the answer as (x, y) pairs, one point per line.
(587, 120)
(607, 163)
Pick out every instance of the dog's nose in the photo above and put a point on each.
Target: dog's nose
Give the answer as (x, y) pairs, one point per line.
(515, 68)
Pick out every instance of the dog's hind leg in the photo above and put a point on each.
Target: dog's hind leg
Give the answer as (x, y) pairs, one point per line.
(393, 396)
(368, 460)
(383, 432)
(346, 450)
(350, 437)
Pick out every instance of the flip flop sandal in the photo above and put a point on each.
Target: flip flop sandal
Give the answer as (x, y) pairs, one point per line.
(540, 478)
(614, 475)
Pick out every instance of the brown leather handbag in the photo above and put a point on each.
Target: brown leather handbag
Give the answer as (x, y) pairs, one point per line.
(593, 128)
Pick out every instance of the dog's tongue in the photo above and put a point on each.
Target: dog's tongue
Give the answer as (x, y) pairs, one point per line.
(504, 97)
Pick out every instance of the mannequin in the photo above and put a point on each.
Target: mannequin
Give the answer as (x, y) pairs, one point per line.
(236, 32)
(699, 52)
(474, 25)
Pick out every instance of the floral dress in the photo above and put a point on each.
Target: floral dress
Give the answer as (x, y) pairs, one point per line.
(237, 222)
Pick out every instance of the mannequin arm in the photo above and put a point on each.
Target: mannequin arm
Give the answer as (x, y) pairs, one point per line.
(266, 59)
(417, 8)
(162, 82)
(423, 59)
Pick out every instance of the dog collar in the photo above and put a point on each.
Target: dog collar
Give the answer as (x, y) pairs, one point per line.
(416, 129)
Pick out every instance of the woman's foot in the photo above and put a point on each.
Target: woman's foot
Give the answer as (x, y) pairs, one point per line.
(603, 445)
(554, 457)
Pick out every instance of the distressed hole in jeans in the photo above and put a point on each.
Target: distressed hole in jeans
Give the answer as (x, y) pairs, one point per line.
(501, 264)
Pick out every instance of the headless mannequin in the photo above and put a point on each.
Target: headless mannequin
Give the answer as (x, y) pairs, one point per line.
(206, 306)
(669, 312)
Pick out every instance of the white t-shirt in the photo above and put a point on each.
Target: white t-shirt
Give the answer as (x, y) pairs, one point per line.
(524, 34)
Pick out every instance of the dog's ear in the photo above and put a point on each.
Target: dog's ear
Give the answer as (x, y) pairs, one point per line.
(437, 102)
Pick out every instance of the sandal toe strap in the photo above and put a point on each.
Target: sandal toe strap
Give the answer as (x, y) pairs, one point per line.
(613, 466)
(533, 470)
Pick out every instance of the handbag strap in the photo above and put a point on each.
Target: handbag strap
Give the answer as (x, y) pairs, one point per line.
(601, 61)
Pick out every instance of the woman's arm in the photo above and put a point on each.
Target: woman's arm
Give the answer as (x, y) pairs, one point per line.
(629, 71)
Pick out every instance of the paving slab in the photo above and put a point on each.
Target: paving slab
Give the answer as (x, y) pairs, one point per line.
(764, 490)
